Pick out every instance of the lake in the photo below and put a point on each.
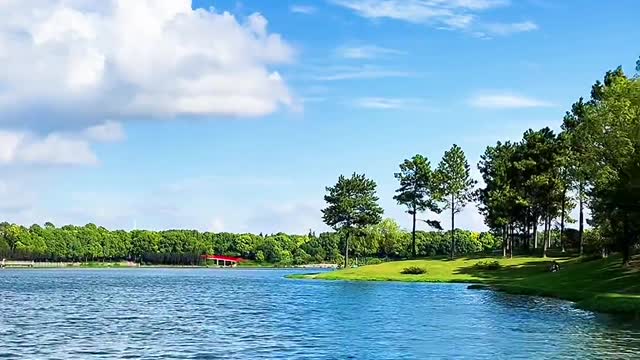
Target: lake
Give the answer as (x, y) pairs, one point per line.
(249, 314)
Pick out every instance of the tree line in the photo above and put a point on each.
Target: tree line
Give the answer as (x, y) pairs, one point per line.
(594, 162)
(352, 204)
(91, 243)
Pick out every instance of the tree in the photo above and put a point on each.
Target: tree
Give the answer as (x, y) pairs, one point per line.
(612, 126)
(498, 198)
(352, 204)
(417, 187)
(455, 185)
(577, 139)
(388, 236)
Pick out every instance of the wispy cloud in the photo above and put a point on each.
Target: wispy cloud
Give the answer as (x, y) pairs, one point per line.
(505, 29)
(303, 9)
(506, 100)
(443, 14)
(366, 52)
(360, 72)
(386, 103)
(449, 13)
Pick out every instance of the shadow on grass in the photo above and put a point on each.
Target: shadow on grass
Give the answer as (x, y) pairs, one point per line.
(507, 273)
(601, 285)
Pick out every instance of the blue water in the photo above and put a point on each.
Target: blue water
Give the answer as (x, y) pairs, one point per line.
(250, 314)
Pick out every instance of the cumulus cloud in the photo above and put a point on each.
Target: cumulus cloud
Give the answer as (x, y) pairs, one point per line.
(21, 147)
(80, 62)
(69, 148)
(109, 131)
(506, 101)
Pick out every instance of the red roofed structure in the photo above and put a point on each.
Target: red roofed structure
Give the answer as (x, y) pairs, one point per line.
(224, 260)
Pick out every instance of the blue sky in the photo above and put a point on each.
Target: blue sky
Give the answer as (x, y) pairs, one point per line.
(234, 116)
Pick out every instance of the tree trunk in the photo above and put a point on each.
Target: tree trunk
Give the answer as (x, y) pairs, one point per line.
(346, 251)
(504, 241)
(511, 243)
(527, 231)
(535, 232)
(453, 228)
(549, 232)
(544, 237)
(413, 235)
(581, 228)
(564, 204)
(626, 243)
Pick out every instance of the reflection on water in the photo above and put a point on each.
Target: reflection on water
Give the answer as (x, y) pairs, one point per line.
(200, 314)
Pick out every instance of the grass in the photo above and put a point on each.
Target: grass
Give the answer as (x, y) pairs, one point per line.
(600, 285)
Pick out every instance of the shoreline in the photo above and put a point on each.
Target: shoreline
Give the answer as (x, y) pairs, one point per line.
(129, 267)
(577, 281)
(613, 305)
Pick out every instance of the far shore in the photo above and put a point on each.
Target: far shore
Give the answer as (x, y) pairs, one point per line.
(28, 265)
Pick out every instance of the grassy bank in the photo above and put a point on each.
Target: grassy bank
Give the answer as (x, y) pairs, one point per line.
(598, 285)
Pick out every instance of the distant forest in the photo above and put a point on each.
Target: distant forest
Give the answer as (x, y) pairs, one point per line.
(93, 243)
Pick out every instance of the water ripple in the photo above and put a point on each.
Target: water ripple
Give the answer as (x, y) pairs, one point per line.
(212, 314)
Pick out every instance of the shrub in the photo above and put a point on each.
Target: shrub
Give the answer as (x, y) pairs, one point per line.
(488, 265)
(414, 270)
(371, 261)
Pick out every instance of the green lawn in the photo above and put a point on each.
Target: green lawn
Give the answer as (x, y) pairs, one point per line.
(599, 285)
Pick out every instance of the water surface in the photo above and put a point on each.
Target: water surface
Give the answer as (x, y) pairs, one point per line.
(249, 314)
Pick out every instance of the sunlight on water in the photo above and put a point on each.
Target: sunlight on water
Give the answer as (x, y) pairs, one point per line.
(200, 314)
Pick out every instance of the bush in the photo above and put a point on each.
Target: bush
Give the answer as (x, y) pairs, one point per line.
(488, 265)
(370, 261)
(414, 270)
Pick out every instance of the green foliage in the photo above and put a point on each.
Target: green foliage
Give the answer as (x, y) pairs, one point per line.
(414, 270)
(416, 192)
(593, 162)
(454, 185)
(487, 265)
(351, 204)
(371, 261)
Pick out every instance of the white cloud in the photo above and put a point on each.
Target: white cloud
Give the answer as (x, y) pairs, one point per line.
(360, 72)
(80, 62)
(302, 9)
(383, 103)
(504, 29)
(506, 101)
(109, 131)
(443, 14)
(449, 13)
(365, 52)
(21, 147)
